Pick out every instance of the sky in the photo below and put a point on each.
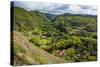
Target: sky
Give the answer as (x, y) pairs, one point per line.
(57, 8)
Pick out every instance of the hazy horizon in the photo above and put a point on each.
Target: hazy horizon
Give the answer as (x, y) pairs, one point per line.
(57, 8)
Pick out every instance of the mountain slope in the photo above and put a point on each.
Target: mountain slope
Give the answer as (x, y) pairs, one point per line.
(50, 16)
(75, 21)
(27, 53)
(27, 21)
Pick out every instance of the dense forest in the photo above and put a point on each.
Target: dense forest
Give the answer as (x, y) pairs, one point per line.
(69, 37)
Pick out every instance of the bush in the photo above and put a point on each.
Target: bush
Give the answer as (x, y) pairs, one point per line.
(45, 42)
(61, 44)
(35, 40)
(75, 41)
(70, 52)
(36, 31)
(71, 41)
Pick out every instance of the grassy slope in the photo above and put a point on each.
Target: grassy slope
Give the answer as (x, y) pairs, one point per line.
(26, 21)
(27, 53)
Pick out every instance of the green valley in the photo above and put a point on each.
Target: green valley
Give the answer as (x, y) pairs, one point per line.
(38, 38)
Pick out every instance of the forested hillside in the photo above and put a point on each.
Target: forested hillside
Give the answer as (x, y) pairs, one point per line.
(63, 38)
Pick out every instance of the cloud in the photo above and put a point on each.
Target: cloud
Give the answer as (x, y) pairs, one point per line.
(74, 9)
(56, 8)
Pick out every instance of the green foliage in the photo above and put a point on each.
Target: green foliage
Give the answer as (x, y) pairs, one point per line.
(74, 40)
(91, 27)
(46, 47)
(25, 21)
(70, 52)
(90, 43)
(36, 31)
(61, 44)
(35, 40)
(92, 58)
(77, 34)
(45, 41)
(71, 41)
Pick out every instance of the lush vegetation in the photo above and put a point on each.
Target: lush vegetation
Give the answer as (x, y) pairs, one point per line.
(75, 34)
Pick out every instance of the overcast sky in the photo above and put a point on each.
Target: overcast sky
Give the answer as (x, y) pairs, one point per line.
(56, 8)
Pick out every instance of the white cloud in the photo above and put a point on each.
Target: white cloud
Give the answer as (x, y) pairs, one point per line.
(74, 8)
(89, 11)
(57, 8)
(82, 9)
(36, 5)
